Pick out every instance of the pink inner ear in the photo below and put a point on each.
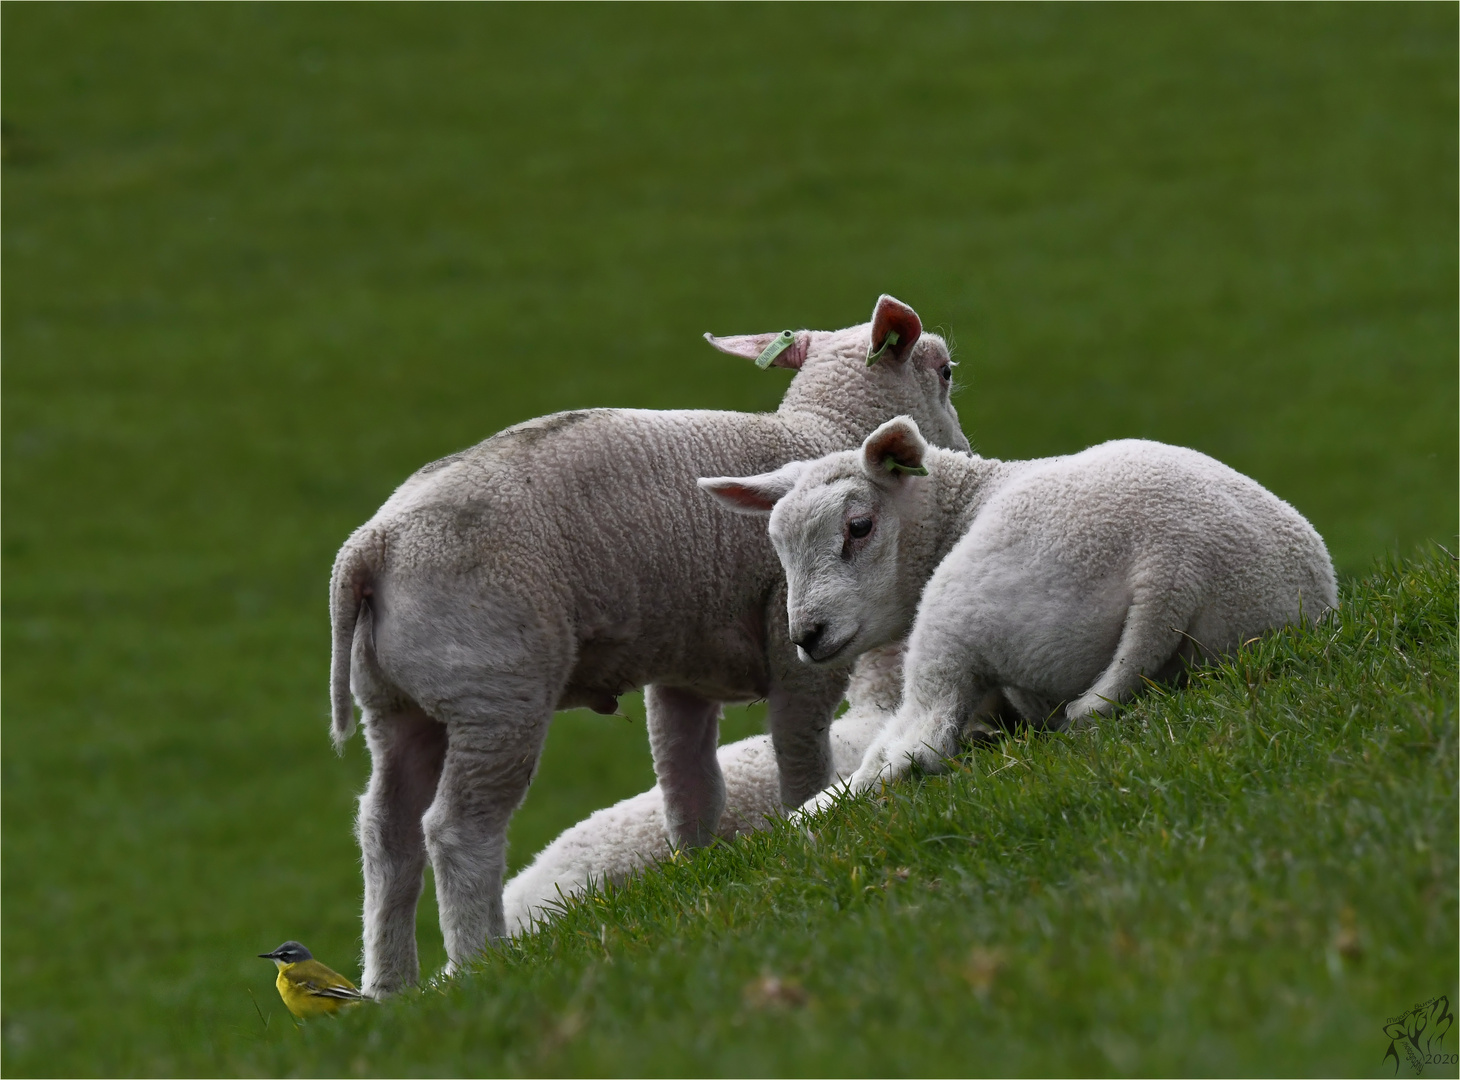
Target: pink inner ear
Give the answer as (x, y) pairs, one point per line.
(750, 346)
(892, 314)
(898, 442)
(747, 497)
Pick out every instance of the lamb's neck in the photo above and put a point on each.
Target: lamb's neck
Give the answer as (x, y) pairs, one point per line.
(812, 429)
(942, 509)
(961, 484)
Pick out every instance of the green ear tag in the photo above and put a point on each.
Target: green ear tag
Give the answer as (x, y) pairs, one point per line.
(783, 341)
(890, 339)
(892, 465)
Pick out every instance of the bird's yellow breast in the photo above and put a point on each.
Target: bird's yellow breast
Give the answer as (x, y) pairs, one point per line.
(299, 985)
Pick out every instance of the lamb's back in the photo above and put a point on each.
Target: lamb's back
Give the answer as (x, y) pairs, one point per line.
(588, 500)
(1138, 508)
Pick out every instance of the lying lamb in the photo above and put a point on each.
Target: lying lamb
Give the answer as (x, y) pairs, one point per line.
(614, 843)
(1058, 584)
(561, 563)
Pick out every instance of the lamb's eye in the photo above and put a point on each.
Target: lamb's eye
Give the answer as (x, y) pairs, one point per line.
(859, 528)
(946, 371)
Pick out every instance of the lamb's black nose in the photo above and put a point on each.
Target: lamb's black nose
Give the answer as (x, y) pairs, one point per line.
(809, 638)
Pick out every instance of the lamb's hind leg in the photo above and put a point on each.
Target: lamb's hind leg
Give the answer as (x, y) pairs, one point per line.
(407, 748)
(491, 668)
(491, 757)
(684, 733)
(1149, 639)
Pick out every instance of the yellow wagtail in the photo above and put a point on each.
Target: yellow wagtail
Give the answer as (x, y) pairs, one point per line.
(307, 986)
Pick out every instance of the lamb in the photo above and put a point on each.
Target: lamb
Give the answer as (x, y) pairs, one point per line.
(560, 564)
(613, 844)
(1055, 586)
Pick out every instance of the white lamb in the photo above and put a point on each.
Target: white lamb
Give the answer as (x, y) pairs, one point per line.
(619, 841)
(1057, 585)
(561, 563)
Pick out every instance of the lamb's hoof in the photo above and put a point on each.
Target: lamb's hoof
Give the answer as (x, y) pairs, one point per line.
(439, 981)
(688, 839)
(378, 991)
(1084, 711)
(820, 802)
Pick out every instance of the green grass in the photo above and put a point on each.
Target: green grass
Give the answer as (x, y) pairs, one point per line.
(1250, 876)
(261, 262)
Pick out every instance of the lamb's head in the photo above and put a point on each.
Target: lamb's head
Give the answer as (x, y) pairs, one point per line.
(837, 525)
(862, 376)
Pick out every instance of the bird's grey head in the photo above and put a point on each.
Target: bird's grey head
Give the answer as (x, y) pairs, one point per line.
(291, 952)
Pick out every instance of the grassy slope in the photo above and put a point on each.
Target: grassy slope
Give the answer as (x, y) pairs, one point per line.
(261, 262)
(1249, 876)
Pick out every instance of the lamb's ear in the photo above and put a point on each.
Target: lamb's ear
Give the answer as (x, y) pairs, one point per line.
(895, 330)
(787, 349)
(753, 494)
(895, 450)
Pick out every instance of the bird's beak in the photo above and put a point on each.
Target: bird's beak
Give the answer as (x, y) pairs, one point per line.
(266, 956)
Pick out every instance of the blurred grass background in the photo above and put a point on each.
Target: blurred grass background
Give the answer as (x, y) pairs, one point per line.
(261, 262)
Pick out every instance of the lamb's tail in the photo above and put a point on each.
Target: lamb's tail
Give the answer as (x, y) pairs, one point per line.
(351, 585)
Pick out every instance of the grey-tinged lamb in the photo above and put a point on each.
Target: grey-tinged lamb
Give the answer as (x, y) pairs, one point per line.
(562, 563)
(1057, 585)
(614, 843)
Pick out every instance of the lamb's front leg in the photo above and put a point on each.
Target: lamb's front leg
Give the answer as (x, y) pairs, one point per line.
(800, 707)
(684, 734)
(874, 770)
(944, 700)
(926, 732)
(800, 726)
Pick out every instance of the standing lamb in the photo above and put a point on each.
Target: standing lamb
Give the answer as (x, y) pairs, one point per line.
(562, 563)
(1058, 584)
(618, 841)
